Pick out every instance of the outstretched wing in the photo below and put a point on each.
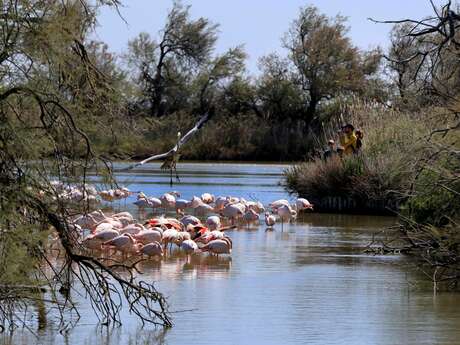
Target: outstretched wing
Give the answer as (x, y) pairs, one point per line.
(179, 144)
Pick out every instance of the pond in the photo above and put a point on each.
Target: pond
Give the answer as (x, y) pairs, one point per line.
(308, 284)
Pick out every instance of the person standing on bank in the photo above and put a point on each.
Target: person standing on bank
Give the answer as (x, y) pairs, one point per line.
(330, 152)
(348, 139)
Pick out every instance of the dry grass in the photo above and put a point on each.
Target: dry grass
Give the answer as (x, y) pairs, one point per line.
(392, 146)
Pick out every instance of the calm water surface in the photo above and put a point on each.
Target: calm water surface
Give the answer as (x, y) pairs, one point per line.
(310, 284)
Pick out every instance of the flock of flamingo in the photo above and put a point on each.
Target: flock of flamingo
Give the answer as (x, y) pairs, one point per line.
(202, 229)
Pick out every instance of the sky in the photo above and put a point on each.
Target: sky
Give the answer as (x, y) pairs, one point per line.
(258, 24)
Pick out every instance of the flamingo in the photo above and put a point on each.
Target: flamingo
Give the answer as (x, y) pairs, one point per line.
(189, 246)
(275, 205)
(186, 220)
(165, 222)
(196, 230)
(123, 215)
(204, 209)
(207, 198)
(213, 222)
(250, 216)
(142, 203)
(155, 203)
(221, 246)
(181, 205)
(181, 237)
(168, 200)
(151, 249)
(102, 227)
(286, 213)
(107, 195)
(303, 204)
(232, 211)
(132, 229)
(270, 220)
(86, 221)
(210, 236)
(124, 243)
(257, 206)
(94, 241)
(220, 203)
(170, 236)
(195, 202)
(148, 236)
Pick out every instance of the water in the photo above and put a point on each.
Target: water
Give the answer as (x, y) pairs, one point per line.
(310, 284)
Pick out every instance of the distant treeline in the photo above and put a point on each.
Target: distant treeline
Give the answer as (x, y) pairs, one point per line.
(165, 80)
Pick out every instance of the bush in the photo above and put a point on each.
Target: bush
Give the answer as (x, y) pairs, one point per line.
(384, 168)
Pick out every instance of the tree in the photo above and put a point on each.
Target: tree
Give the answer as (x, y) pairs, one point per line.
(280, 96)
(326, 62)
(49, 86)
(184, 45)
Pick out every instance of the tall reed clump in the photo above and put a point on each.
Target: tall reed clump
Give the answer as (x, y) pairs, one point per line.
(383, 169)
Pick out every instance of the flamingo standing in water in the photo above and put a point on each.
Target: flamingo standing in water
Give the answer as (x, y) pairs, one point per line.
(155, 203)
(250, 216)
(181, 205)
(270, 220)
(233, 212)
(213, 222)
(303, 204)
(188, 247)
(151, 249)
(286, 213)
(168, 200)
(221, 246)
(124, 243)
(149, 236)
(186, 220)
(95, 241)
(207, 198)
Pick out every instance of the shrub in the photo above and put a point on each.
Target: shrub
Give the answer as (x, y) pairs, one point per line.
(382, 171)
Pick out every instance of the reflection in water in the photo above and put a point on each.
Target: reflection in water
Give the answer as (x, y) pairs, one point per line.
(310, 284)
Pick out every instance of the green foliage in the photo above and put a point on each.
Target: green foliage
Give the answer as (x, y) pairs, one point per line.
(382, 171)
(435, 193)
(325, 62)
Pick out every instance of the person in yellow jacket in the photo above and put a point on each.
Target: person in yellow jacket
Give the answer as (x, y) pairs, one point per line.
(348, 139)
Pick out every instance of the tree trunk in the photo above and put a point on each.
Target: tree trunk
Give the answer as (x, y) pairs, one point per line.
(311, 111)
(158, 86)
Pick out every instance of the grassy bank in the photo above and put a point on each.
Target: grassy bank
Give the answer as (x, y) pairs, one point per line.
(382, 172)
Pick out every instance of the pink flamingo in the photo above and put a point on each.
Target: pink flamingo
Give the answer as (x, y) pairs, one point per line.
(152, 249)
(221, 246)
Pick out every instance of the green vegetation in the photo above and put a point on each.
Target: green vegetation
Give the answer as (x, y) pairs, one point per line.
(56, 92)
(165, 81)
(393, 142)
(411, 147)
